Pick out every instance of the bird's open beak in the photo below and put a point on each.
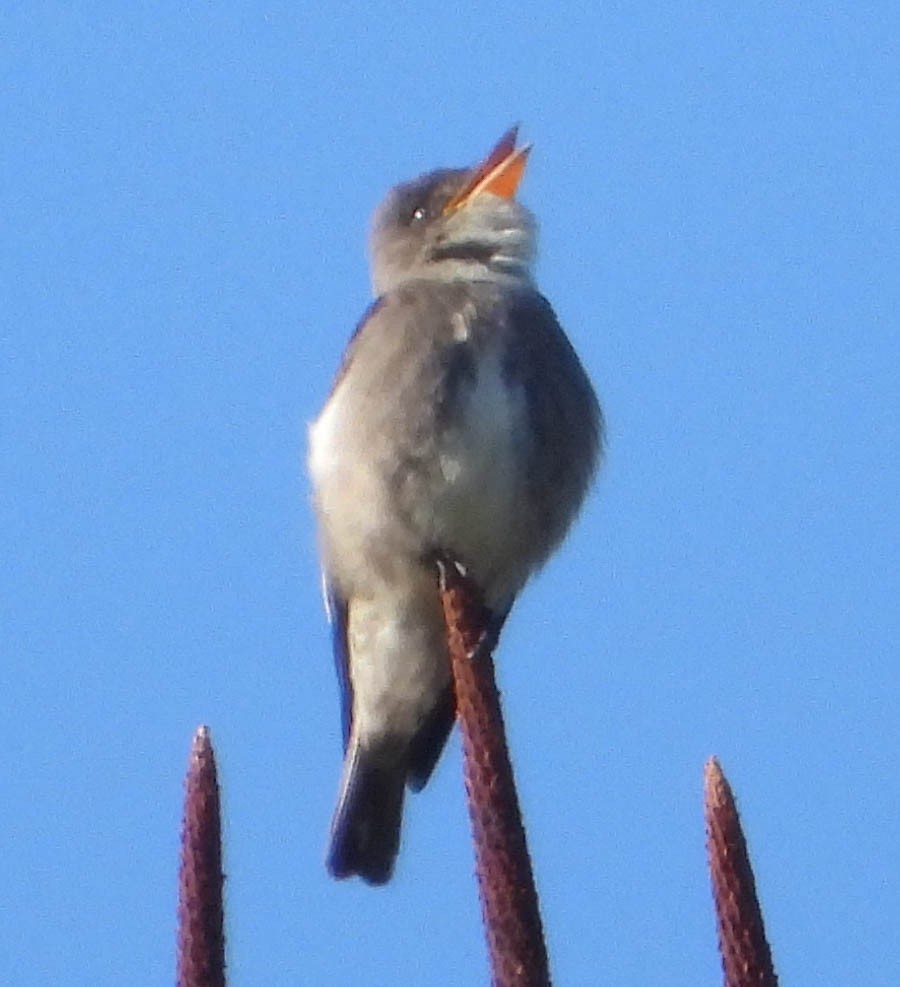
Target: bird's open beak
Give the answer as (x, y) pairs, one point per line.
(499, 173)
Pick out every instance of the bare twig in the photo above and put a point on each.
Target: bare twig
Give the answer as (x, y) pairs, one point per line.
(509, 902)
(201, 940)
(746, 958)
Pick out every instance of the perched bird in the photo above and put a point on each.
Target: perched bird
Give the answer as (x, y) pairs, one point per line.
(461, 424)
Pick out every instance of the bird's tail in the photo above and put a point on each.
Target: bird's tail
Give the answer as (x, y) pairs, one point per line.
(365, 831)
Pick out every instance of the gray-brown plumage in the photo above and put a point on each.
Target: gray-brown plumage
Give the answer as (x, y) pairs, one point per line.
(461, 423)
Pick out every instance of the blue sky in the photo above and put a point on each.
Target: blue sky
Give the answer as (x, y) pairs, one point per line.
(185, 192)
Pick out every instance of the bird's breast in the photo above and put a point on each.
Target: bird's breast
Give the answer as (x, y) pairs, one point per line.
(481, 466)
(478, 447)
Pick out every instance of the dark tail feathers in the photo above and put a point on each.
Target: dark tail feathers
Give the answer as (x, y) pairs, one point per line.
(365, 832)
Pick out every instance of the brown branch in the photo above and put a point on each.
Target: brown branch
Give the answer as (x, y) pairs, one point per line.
(201, 940)
(746, 958)
(509, 902)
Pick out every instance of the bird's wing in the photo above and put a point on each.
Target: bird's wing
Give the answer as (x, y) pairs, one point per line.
(336, 607)
(367, 317)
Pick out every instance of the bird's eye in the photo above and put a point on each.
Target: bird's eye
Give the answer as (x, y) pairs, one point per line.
(419, 214)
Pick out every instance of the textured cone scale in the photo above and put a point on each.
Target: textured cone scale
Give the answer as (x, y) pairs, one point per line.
(746, 958)
(509, 900)
(201, 940)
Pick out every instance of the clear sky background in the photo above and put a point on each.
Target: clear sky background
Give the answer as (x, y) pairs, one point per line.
(184, 193)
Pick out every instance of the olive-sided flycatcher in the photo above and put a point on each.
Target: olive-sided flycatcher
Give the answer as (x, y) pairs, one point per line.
(461, 424)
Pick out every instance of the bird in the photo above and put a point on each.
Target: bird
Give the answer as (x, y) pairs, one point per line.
(461, 424)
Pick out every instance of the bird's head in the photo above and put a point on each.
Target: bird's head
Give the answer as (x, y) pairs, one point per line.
(456, 224)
